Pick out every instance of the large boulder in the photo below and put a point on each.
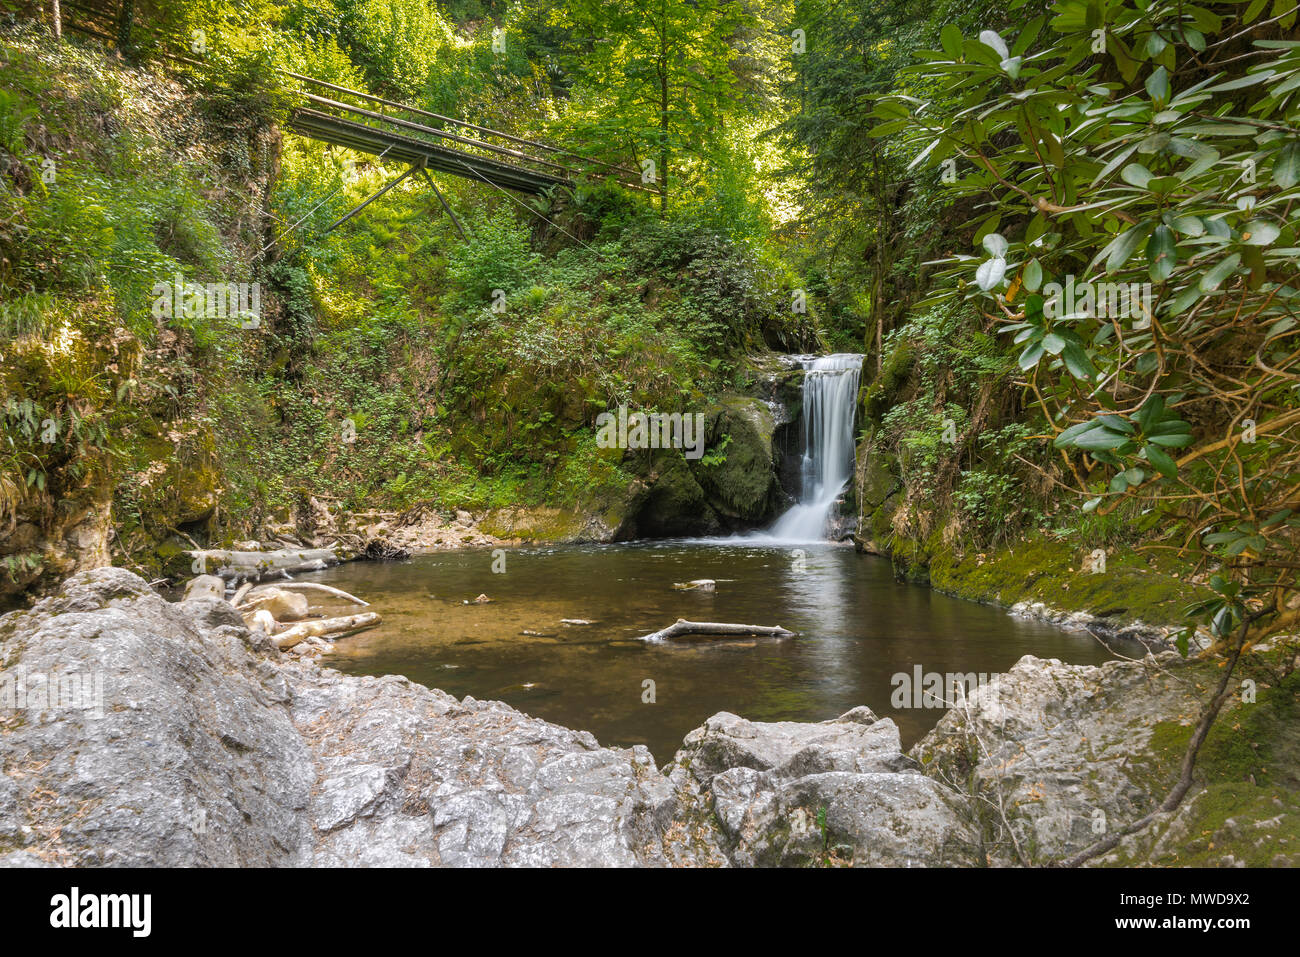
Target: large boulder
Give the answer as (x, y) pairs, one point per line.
(834, 792)
(675, 504)
(410, 776)
(142, 734)
(738, 475)
(180, 745)
(1060, 754)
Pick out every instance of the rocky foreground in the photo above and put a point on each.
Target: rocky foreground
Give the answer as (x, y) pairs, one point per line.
(205, 746)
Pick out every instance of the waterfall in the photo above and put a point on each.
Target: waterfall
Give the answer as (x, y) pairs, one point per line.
(830, 397)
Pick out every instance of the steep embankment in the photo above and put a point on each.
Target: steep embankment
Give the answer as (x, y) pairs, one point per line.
(178, 737)
(957, 488)
(389, 376)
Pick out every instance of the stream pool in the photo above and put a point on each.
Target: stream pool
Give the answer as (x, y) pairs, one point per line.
(858, 629)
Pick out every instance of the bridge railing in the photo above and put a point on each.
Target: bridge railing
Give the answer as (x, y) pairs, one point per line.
(378, 125)
(385, 116)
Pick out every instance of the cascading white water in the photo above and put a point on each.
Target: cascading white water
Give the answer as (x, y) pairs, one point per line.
(830, 394)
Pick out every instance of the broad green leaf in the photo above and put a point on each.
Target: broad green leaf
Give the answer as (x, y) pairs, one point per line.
(1286, 168)
(1124, 245)
(1160, 460)
(1033, 276)
(1029, 358)
(1157, 85)
(1066, 438)
(1259, 232)
(1222, 270)
(1076, 360)
(1162, 253)
(1135, 174)
(950, 37)
(1100, 439)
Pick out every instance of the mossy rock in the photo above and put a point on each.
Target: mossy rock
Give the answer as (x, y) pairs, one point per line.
(676, 504)
(879, 479)
(881, 394)
(743, 486)
(1133, 585)
(1245, 799)
(548, 525)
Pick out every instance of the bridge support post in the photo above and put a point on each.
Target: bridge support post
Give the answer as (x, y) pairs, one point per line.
(344, 219)
(438, 193)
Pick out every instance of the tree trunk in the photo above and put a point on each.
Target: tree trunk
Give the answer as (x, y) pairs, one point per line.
(254, 565)
(125, 22)
(663, 108)
(57, 16)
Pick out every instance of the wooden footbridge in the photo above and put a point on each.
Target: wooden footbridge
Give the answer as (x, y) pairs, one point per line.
(426, 142)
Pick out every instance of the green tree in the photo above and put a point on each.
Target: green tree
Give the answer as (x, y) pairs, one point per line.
(657, 82)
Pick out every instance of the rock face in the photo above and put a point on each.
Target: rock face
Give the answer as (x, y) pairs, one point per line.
(43, 554)
(192, 748)
(836, 792)
(167, 741)
(136, 731)
(1060, 750)
(409, 776)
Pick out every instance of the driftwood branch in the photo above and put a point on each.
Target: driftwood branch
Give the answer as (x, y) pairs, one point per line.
(682, 628)
(311, 586)
(255, 565)
(240, 593)
(325, 626)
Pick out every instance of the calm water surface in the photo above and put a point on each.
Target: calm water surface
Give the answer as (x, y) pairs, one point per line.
(857, 626)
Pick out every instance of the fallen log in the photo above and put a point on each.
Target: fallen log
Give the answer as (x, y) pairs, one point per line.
(252, 566)
(309, 586)
(325, 626)
(682, 628)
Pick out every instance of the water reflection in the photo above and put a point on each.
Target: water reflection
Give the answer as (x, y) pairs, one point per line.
(857, 626)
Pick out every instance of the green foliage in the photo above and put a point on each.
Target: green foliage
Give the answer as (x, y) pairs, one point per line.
(655, 79)
(1138, 246)
(497, 256)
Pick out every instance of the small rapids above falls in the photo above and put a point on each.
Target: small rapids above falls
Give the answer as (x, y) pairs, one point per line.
(830, 391)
